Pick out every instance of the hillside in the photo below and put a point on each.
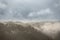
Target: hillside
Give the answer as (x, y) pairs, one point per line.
(29, 31)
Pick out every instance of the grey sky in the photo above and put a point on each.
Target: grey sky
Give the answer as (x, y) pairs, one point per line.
(30, 9)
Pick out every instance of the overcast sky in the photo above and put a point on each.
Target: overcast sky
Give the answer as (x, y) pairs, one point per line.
(30, 9)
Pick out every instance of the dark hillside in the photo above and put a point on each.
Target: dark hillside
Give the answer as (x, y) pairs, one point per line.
(22, 31)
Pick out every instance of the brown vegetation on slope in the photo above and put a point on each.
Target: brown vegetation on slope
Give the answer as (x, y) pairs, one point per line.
(22, 31)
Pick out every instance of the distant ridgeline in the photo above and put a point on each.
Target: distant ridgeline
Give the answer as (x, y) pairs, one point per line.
(29, 31)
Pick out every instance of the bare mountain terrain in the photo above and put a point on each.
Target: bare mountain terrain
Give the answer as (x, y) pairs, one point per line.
(29, 30)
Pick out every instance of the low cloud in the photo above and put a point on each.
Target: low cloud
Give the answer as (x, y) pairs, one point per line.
(2, 5)
(42, 13)
(28, 9)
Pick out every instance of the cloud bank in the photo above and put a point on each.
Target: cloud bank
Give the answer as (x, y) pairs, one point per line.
(30, 9)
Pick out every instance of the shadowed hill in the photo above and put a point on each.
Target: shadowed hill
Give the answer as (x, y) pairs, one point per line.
(23, 31)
